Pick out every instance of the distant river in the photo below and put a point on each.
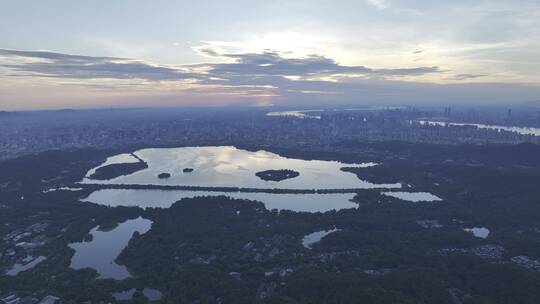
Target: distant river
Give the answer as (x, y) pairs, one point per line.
(519, 130)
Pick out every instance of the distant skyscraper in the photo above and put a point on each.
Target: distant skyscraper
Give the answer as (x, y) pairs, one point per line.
(447, 111)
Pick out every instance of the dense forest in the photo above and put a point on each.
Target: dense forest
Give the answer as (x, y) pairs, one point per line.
(116, 170)
(277, 175)
(220, 250)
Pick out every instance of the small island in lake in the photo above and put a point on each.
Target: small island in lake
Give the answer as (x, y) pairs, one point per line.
(277, 175)
(164, 175)
(187, 170)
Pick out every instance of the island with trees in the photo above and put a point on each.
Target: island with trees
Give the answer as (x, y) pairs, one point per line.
(164, 175)
(277, 175)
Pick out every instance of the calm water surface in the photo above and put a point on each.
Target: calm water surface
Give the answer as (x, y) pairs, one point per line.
(519, 130)
(414, 196)
(101, 252)
(231, 167)
(479, 232)
(164, 199)
(315, 237)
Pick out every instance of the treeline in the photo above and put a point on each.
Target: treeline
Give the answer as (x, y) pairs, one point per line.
(116, 170)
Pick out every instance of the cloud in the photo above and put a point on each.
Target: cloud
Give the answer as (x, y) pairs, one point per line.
(58, 65)
(380, 4)
(207, 50)
(250, 67)
(269, 77)
(466, 76)
(52, 56)
(272, 63)
(264, 77)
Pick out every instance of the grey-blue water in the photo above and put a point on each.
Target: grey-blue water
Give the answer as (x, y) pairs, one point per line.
(101, 252)
(227, 166)
(164, 199)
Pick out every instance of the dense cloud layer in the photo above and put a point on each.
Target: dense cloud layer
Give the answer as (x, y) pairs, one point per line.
(273, 63)
(270, 76)
(51, 64)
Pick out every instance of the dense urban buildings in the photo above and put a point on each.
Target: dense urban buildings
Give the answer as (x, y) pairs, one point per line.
(25, 133)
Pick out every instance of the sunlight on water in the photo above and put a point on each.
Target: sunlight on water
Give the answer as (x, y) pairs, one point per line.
(228, 166)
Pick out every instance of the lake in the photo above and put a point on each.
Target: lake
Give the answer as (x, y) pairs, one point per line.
(414, 196)
(165, 198)
(479, 232)
(227, 166)
(316, 237)
(101, 252)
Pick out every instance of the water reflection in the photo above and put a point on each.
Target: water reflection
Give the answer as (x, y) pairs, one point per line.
(479, 232)
(414, 196)
(519, 130)
(164, 199)
(315, 237)
(101, 252)
(231, 167)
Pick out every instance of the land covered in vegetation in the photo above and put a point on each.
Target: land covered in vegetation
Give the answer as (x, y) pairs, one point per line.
(277, 175)
(164, 175)
(219, 250)
(117, 170)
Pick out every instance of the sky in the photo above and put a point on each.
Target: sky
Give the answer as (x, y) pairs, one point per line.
(131, 53)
